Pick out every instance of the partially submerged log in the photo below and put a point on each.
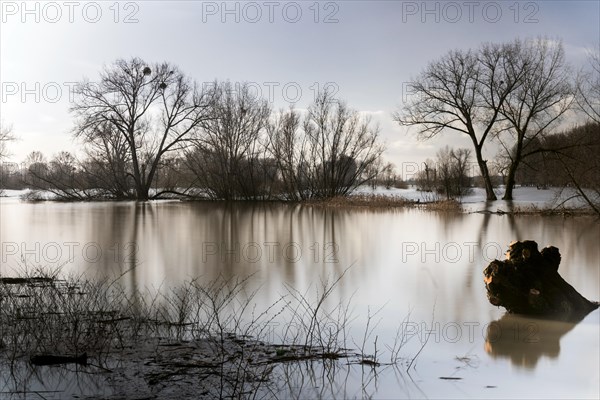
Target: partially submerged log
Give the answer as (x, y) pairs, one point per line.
(528, 282)
(26, 281)
(48, 359)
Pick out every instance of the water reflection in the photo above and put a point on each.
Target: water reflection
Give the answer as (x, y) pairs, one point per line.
(409, 257)
(20, 380)
(405, 259)
(525, 340)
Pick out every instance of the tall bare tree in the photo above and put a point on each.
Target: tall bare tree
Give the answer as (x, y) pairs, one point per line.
(463, 92)
(226, 156)
(341, 145)
(328, 152)
(287, 146)
(537, 104)
(154, 108)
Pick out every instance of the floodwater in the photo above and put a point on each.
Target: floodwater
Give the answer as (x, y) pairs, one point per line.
(410, 268)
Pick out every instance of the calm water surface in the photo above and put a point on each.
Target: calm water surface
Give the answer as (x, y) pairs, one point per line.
(427, 264)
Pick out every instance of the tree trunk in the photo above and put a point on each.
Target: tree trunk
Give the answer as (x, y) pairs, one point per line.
(142, 194)
(485, 174)
(528, 282)
(510, 182)
(512, 170)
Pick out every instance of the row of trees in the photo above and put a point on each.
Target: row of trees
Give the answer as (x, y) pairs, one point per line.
(516, 93)
(145, 126)
(149, 125)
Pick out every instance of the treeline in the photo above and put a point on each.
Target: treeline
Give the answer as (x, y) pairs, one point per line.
(149, 132)
(557, 158)
(566, 159)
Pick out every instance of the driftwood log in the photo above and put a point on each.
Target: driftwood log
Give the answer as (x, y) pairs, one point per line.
(528, 283)
(47, 359)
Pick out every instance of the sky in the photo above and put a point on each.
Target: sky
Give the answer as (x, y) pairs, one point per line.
(366, 51)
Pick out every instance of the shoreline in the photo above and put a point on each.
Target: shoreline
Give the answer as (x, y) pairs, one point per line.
(363, 199)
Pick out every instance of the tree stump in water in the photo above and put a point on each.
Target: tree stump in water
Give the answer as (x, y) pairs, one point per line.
(528, 282)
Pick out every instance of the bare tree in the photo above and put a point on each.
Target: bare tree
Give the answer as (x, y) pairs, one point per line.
(328, 153)
(452, 166)
(61, 176)
(340, 144)
(37, 170)
(6, 136)
(427, 177)
(154, 109)
(389, 176)
(537, 104)
(463, 92)
(108, 162)
(287, 146)
(460, 167)
(588, 87)
(226, 156)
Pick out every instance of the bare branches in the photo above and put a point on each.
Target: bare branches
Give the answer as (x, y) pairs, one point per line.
(518, 89)
(145, 110)
(328, 153)
(538, 103)
(227, 156)
(6, 136)
(461, 92)
(588, 87)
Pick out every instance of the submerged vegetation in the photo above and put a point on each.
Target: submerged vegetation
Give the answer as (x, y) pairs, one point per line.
(202, 338)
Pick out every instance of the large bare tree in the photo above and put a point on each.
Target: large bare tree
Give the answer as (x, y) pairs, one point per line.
(328, 153)
(227, 154)
(153, 108)
(342, 145)
(463, 92)
(288, 148)
(537, 104)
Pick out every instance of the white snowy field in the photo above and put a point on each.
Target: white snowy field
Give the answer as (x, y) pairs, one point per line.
(475, 201)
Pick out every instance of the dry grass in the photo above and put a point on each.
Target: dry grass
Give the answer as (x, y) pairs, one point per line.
(532, 209)
(443, 205)
(362, 201)
(383, 202)
(535, 210)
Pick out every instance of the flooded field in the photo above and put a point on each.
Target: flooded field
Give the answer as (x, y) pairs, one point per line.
(408, 269)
